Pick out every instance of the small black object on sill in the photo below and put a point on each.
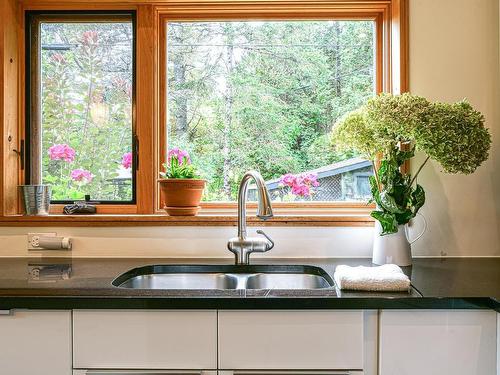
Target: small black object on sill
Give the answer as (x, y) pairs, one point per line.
(80, 207)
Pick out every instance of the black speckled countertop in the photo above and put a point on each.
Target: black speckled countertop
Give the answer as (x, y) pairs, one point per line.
(453, 283)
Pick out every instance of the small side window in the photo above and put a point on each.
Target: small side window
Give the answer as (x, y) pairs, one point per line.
(80, 96)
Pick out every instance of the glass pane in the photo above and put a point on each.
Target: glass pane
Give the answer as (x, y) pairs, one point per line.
(86, 116)
(264, 95)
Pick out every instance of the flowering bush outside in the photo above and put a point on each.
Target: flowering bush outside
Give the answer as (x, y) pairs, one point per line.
(86, 106)
(300, 185)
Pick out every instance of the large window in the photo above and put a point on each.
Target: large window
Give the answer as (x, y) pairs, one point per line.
(264, 95)
(81, 92)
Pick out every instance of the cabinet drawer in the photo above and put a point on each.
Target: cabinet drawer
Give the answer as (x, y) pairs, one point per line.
(142, 339)
(291, 340)
(35, 342)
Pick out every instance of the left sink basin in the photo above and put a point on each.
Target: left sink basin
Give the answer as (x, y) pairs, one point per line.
(202, 277)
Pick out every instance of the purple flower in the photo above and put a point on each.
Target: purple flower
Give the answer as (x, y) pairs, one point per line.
(180, 155)
(127, 160)
(82, 175)
(62, 152)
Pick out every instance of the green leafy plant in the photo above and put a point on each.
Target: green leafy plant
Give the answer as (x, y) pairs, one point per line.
(179, 165)
(389, 129)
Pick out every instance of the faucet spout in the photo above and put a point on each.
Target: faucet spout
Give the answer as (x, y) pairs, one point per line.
(242, 246)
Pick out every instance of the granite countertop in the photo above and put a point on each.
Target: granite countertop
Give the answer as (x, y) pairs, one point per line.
(67, 283)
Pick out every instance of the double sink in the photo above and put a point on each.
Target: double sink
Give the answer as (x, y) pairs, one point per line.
(225, 277)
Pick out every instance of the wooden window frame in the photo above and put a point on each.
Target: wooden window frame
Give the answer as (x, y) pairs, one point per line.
(149, 110)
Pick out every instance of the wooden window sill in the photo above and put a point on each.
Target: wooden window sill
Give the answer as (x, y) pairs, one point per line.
(102, 220)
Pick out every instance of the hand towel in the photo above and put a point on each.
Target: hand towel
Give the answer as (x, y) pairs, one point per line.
(386, 278)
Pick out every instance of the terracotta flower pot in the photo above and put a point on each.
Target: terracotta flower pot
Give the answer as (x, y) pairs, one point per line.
(181, 197)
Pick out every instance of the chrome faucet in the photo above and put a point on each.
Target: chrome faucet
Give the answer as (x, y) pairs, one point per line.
(242, 246)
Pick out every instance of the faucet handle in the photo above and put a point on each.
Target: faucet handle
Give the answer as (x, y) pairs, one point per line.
(271, 242)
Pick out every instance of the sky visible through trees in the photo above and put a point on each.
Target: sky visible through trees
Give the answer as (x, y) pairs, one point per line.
(264, 95)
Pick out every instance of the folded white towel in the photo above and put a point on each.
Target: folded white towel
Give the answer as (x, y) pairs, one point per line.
(386, 278)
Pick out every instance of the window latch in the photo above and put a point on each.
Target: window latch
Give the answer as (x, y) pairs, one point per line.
(20, 153)
(135, 152)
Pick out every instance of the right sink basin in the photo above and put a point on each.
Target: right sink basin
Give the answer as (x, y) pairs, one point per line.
(286, 281)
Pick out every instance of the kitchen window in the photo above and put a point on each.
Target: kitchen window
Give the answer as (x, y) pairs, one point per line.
(264, 95)
(101, 91)
(80, 92)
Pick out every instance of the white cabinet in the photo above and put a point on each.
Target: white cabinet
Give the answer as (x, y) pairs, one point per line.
(438, 342)
(142, 339)
(142, 372)
(278, 340)
(35, 342)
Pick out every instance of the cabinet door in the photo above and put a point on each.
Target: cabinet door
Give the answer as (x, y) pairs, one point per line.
(35, 342)
(438, 342)
(278, 340)
(145, 339)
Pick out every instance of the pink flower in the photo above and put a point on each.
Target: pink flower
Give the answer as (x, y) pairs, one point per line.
(301, 190)
(127, 160)
(82, 175)
(310, 179)
(58, 58)
(61, 152)
(89, 37)
(288, 179)
(300, 184)
(180, 155)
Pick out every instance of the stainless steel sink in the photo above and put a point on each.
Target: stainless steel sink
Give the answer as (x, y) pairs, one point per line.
(201, 277)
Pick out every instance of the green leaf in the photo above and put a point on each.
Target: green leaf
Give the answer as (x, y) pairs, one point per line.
(418, 198)
(387, 221)
(405, 217)
(388, 203)
(374, 189)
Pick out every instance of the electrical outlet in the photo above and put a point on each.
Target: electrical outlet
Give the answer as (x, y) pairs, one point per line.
(34, 239)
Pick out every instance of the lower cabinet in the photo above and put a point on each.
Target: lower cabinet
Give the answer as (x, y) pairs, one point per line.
(35, 342)
(438, 342)
(145, 339)
(279, 340)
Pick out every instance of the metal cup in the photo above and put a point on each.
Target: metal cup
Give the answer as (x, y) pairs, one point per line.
(36, 199)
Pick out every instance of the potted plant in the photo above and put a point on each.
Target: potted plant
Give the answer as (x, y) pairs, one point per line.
(388, 130)
(181, 187)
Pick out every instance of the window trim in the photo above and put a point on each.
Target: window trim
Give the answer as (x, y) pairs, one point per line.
(392, 13)
(33, 19)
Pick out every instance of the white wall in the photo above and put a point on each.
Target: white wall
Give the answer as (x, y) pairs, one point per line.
(454, 54)
(194, 241)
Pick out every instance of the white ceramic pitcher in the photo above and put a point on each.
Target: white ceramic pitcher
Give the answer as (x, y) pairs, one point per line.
(394, 248)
